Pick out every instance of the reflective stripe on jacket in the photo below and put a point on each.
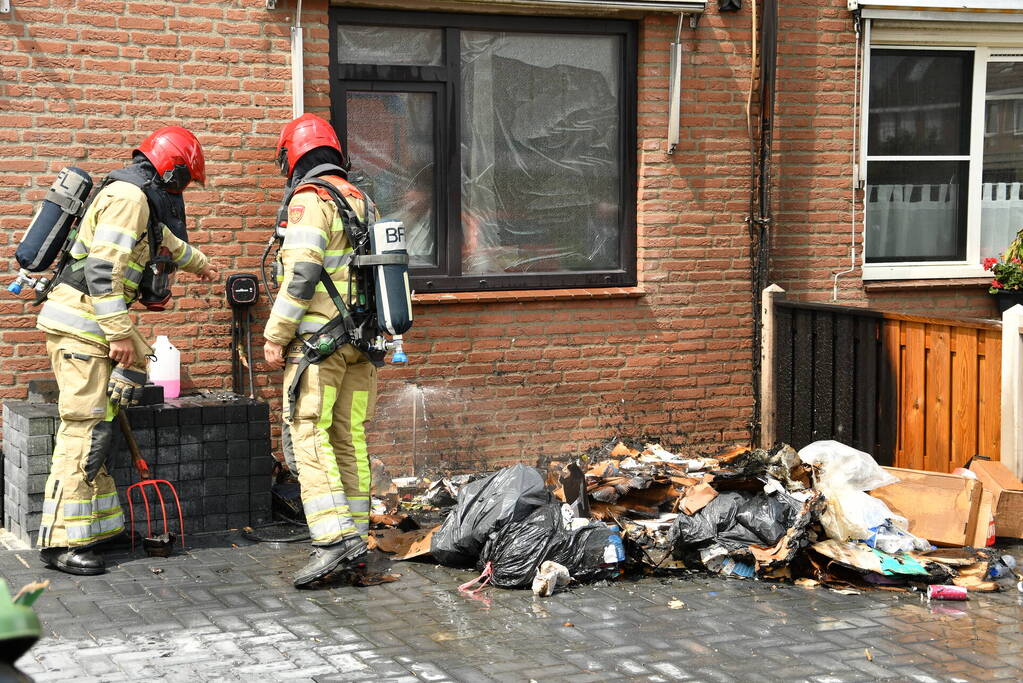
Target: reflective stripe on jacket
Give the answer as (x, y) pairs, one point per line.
(112, 249)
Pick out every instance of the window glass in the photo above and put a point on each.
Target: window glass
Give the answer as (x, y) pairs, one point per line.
(919, 103)
(540, 152)
(390, 45)
(506, 144)
(391, 140)
(916, 210)
(1002, 191)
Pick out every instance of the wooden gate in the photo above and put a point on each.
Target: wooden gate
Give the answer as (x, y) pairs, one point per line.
(915, 392)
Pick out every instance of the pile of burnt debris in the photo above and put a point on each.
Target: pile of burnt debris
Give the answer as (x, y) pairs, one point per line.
(825, 516)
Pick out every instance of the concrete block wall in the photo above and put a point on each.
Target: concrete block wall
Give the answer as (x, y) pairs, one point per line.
(28, 433)
(217, 455)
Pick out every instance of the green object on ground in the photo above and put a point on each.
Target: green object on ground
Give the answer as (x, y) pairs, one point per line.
(899, 564)
(19, 625)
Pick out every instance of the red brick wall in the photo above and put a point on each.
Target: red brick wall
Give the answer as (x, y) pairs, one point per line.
(84, 80)
(816, 82)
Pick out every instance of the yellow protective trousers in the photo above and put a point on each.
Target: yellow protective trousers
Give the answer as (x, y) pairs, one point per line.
(328, 441)
(80, 507)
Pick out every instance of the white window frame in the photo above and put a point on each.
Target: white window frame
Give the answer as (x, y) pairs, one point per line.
(971, 267)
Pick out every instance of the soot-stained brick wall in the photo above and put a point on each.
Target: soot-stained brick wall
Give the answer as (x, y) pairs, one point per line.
(492, 379)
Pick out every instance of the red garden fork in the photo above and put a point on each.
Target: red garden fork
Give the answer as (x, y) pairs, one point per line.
(144, 482)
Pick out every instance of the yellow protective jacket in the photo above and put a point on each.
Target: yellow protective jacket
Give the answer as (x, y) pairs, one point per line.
(113, 248)
(315, 240)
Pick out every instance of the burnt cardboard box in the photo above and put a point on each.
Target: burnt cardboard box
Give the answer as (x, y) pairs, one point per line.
(152, 394)
(942, 508)
(1007, 496)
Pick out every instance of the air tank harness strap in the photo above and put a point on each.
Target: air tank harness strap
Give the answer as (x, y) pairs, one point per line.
(334, 334)
(73, 274)
(350, 259)
(72, 205)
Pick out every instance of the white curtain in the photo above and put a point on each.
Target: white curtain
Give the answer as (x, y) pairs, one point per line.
(910, 222)
(1001, 216)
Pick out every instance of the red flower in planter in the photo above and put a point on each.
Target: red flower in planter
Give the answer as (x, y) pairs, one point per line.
(1007, 270)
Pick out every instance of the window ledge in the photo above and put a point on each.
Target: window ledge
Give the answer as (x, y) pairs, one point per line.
(524, 295)
(913, 285)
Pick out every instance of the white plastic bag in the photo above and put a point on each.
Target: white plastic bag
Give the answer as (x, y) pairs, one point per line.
(845, 473)
(845, 467)
(548, 577)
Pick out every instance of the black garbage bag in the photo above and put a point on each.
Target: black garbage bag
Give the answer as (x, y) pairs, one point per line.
(735, 520)
(517, 550)
(484, 506)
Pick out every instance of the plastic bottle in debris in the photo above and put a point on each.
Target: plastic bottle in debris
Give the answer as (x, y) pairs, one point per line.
(165, 371)
(614, 552)
(1002, 567)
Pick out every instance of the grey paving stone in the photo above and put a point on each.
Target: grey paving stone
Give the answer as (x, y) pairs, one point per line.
(225, 610)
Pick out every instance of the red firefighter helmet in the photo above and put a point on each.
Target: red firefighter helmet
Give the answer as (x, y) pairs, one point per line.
(177, 156)
(303, 135)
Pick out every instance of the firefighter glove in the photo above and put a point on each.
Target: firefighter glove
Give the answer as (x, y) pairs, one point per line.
(125, 386)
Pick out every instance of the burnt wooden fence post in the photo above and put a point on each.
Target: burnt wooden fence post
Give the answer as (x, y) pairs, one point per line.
(768, 345)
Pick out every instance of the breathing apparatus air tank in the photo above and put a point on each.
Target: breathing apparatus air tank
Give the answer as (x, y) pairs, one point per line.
(63, 204)
(47, 234)
(393, 297)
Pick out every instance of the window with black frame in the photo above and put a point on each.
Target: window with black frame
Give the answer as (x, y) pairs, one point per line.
(505, 144)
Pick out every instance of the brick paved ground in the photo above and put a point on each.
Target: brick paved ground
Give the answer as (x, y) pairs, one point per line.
(224, 612)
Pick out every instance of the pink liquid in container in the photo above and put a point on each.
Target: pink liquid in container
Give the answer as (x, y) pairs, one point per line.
(165, 371)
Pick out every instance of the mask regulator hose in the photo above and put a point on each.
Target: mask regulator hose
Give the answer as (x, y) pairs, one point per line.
(278, 234)
(262, 264)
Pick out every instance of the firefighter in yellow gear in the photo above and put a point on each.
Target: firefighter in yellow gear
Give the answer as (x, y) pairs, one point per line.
(97, 355)
(335, 398)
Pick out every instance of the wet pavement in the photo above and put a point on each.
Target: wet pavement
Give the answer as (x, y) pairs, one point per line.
(225, 610)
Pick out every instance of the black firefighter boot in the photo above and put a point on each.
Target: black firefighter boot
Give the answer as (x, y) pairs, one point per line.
(81, 561)
(329, 558)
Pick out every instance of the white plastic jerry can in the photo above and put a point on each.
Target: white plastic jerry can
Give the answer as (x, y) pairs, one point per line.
(165, 371)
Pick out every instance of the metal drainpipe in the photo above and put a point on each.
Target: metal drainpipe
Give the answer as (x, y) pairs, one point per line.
(761, 222)
(297, 66)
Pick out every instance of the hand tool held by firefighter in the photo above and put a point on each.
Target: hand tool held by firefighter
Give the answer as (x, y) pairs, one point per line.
(141, 466)
(144, 484)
